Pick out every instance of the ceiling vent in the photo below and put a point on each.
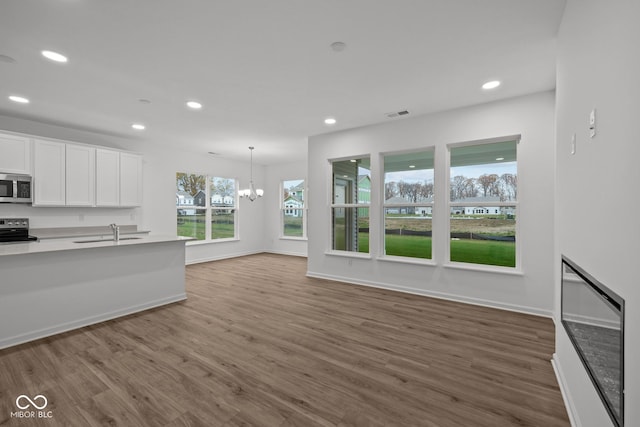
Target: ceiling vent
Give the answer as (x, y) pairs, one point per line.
(397, 114)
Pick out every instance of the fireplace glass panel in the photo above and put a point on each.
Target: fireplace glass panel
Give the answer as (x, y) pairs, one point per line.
(593, 317)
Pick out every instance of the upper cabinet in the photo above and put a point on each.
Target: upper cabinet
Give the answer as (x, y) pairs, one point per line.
(80, 175)
(107, 178)
(68, 174)
(130, 179)
(49, 165)
(118, 178)
(15, 154)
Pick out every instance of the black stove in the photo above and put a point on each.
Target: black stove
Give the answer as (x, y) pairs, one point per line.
(13, 230)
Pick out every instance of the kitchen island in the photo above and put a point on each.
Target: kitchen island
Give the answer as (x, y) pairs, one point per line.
(57, 285)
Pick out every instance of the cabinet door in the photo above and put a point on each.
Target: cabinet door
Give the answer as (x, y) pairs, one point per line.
(15, 154)
(49, 173)
(130, 179)
(107, 178)
(80, 175)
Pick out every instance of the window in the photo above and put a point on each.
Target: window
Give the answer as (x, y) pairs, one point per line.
(293, 211)
(206, 207)
(483, 202)
(351, 197)
(408, 204)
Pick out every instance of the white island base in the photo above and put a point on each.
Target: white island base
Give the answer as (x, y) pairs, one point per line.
(44, 292)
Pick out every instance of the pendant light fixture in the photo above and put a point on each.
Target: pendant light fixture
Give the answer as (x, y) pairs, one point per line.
(251, 193)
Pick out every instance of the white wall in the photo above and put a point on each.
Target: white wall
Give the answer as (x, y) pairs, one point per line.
(597, 204)
(274, 175)
(532, 117)
(158, 213)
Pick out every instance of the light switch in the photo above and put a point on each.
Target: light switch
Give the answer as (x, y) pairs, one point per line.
(592, 123)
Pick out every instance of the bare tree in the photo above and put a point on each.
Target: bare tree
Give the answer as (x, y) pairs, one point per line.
(191, 183)
(488, 184)
(390, 190)
(509, 183)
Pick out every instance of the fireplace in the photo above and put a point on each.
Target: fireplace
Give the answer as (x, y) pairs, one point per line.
(593, 317)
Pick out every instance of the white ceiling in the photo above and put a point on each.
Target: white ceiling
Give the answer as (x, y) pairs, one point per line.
(264, 69)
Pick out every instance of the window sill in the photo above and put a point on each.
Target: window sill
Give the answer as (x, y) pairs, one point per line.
(206, 242)
(408, 260)
(484, 268)
(300, 239)
(347, 254)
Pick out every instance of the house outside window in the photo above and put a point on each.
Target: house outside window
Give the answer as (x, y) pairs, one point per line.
(408, 204)
(293, 218)
(206, 207)
(483, 183)
(350, 200)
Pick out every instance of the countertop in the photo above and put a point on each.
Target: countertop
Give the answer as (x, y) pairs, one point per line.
(69, 244)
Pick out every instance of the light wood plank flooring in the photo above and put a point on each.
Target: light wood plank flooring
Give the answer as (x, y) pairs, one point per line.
(259, 344)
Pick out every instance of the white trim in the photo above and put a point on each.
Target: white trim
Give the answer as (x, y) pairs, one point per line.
(348, 254)
(408, 260)
(487, 268)
(289, 253)
(564, 390)
(220, 257)
(434, 294)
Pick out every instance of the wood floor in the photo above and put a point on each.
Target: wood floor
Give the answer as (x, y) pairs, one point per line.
(259, 344)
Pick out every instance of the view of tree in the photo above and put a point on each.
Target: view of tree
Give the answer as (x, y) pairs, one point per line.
(504, 186)
(190, 183)
(223, 186)
(412, 192)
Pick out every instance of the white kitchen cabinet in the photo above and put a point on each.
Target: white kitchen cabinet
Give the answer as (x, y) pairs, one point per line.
(107, 178)
(49, 173)
(80, 175)
(130, 179)
(15, 154)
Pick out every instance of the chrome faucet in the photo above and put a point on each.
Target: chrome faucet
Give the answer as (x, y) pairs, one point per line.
(116, 232)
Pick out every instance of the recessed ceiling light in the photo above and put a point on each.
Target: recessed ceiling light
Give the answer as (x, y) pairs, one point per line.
(144, 101)
(499, 158)
(19, 99)
(330, 121)
(138, 126)
(194, 105)
(491, 85)
(412, 166)
(54, 56)
(353, 160)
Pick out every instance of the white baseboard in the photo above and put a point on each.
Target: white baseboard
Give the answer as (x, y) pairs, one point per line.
(219, 257)
(435, 294)
(298, 254)
(68, 326)
(562, 383)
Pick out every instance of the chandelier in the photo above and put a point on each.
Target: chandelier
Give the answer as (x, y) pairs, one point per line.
(251, 193)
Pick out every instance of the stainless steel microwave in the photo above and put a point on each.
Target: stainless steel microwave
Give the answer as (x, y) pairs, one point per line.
(15, 188)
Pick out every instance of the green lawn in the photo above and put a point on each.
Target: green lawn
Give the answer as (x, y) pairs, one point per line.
(409, 246)
(484, 252)
(222, 226)
(292, 226)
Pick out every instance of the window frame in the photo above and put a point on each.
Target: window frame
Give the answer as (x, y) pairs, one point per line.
(384, 206)
(209, 208)
(517, 269)
(331, 205)
(284, 209)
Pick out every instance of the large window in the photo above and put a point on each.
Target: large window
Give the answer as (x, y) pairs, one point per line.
(206, 206)
(408, 204)
(292, 209)
(351, 197)
(483, 202)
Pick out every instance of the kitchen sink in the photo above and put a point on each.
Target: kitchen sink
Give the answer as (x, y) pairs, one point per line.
(107, 240)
